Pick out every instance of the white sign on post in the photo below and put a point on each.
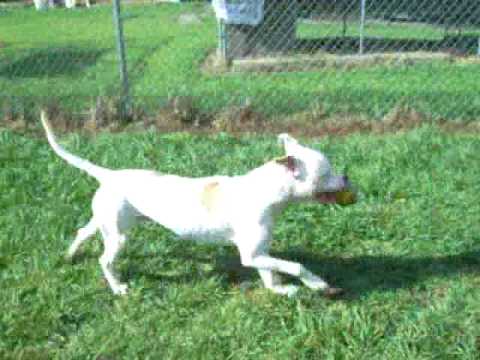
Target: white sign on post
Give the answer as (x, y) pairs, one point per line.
(239, 12)
(41, 4)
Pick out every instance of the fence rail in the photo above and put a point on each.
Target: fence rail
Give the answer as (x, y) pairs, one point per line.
(280, 58)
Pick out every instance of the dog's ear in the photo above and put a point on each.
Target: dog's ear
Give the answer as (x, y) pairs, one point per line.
(287, 142)
(290, 163)
(285, 139)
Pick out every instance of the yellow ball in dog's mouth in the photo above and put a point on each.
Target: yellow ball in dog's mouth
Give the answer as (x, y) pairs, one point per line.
(345, 197)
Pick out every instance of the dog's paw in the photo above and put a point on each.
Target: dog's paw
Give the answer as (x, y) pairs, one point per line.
(333, 292)
(120, 289)
(315, 283)
(288, 290)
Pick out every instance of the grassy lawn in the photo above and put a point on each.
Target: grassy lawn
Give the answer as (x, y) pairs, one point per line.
(372, 29)
(70, 55)
(408, 254)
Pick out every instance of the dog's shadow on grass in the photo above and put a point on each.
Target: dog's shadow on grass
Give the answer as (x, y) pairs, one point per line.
(358, 275)
(361, 275)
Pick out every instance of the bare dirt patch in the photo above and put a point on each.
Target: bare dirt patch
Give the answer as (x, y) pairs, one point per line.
(184, 114)
(322, 60)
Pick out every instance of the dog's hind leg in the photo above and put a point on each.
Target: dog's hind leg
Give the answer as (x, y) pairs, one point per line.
(83, 234)
(114, 216)
(113, 242)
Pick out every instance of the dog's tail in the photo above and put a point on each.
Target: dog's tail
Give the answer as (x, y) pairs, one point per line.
(96, 171)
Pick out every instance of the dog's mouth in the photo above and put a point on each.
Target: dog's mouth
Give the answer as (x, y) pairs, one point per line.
(338, 191)
(342, 197)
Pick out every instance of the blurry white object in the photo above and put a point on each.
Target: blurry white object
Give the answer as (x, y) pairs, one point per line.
(239, 12)
(41, 4)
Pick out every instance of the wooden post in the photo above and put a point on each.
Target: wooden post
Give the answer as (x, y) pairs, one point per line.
(275, 34)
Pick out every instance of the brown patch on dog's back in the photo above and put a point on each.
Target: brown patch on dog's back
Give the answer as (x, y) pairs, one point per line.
(210, 195)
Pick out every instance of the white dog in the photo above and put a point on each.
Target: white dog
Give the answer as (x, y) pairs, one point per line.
(238, 209)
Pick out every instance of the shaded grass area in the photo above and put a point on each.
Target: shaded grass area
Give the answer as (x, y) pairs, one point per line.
(70, 56)
(408, 254)
(44, 62)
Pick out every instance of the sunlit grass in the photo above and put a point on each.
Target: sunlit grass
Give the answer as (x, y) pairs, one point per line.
(407, 253)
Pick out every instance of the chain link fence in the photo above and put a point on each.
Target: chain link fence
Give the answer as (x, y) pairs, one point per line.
(352, 27)
(244, 60)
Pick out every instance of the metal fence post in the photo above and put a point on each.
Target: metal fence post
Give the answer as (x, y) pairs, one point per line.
(124, 96)
(362, 26)
(222, 40)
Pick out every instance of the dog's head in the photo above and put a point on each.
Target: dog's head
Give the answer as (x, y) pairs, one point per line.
(312, 174)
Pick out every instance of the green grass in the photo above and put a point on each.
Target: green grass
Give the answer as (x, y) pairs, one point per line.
(71, 55)
(408, 254)
(372, 29)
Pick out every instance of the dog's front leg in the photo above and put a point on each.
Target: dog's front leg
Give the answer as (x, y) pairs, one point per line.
(269, 266)
(253, 247)
(266, 262)
(272, 281)
(252, 241)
